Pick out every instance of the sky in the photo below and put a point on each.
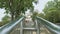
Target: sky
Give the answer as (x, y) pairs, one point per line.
(2, 13)
(39, 7)
(41, 4)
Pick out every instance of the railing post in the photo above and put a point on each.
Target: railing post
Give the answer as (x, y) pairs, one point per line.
(37, 26)
(21, 30)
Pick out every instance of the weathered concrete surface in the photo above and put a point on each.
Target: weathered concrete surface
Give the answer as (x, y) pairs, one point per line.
(43, 30)
(16, 30)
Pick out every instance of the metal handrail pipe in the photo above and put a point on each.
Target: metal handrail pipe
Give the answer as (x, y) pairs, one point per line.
(8, 27)
(49, 25)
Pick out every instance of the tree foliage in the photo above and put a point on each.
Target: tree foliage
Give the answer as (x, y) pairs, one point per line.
(34, 14)
(52, 11)
(6, 19)
(16, 7)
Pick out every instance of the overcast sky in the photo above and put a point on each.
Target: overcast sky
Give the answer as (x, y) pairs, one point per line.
(41, 4)
(2, 13)
(39, 7)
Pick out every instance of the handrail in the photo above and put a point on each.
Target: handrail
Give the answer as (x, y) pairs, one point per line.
(8, 27)
(52, 27)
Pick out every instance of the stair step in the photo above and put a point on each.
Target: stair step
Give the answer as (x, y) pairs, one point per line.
(29, 28)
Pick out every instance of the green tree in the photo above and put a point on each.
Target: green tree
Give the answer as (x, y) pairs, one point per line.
(52, 12)
(34, 14)
(41, 15)
(6, 19)
(16, 7)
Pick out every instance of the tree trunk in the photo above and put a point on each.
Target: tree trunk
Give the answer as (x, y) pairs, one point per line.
(17, 15)
(12, 16)
(11, 9)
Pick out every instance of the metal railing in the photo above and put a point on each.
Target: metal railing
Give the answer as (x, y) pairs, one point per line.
(6, 29)
(50, 26)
